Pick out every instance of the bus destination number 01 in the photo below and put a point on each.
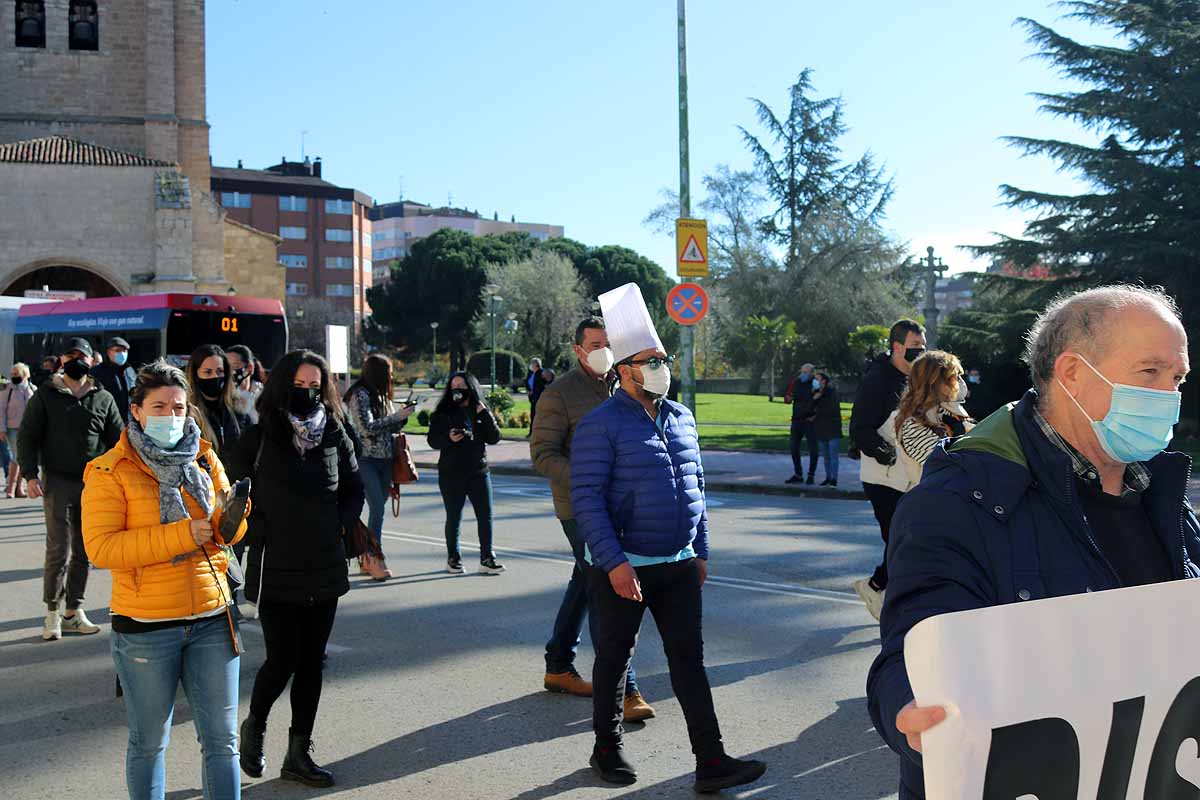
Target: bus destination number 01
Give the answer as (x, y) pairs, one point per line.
(229, 325)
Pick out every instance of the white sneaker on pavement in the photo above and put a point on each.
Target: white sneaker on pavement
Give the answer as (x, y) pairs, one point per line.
(870, 595)
(52, 626)
(79, 623)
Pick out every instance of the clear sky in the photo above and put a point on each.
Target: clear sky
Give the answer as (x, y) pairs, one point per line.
(565, 112)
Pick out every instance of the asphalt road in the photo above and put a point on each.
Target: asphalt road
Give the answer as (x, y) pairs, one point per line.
(433, 686)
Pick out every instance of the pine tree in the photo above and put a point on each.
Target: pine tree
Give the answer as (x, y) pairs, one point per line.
(1139, 218)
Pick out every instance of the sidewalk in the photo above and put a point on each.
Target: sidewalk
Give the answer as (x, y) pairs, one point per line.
(757, 473)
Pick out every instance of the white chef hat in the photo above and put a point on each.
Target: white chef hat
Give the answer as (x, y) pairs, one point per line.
(627, 322)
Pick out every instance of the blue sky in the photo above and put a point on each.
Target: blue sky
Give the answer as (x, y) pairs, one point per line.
(565, 112)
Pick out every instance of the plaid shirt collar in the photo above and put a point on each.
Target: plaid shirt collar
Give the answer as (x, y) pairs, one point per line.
(1137, 476)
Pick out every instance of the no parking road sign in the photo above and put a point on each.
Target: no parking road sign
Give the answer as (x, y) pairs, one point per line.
(687, 303)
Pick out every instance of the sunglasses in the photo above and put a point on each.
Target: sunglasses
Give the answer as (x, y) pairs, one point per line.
(654, 362)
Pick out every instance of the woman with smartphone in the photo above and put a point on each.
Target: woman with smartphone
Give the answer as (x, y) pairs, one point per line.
(151, 514)
(461, 428)
(370, 410)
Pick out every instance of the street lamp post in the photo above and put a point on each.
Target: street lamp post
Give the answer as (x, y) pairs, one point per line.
(433, 364)
(511, 326)
(491, 290)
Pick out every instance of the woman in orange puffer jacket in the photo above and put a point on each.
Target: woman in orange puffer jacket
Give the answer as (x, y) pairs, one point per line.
(150, 509)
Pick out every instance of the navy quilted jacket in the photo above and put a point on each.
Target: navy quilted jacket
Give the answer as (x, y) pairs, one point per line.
(633, 489)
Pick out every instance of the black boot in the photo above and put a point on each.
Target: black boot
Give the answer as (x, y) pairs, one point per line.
(610, 764)
(298, 766)
(250, 745)
(725, 772)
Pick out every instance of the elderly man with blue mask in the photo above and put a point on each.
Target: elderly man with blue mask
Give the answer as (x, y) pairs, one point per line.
(637, 492)
(1066, 492)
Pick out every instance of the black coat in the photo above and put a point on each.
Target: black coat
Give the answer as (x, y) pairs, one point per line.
(61, 433)
(468, 457)
(300, 505)
(827, 408)
(801, 399)
(227, 427)
(877, 397)
(117, 381)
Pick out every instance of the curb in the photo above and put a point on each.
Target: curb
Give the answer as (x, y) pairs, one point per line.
(715, 486)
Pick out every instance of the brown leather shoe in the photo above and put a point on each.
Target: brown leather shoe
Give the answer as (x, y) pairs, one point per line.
(567, 683)
(637, 709)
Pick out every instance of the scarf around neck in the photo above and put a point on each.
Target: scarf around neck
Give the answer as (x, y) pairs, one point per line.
(176, 470)
(307, 432)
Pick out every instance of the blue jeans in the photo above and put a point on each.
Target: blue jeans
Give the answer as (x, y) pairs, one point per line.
(564, 642)
(377, 481)
(829, 454)
(151, 666)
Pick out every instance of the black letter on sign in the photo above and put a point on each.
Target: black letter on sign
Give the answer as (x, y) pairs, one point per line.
(1122, 745)
(1182, 723)
(1039, 758)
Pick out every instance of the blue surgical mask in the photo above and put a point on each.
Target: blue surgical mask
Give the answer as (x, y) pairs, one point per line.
(805, 378)
(1138, 424)
(817, 386)
(120, 358)
(165, 431)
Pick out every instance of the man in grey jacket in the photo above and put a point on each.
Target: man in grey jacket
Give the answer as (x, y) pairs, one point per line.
(561, 407)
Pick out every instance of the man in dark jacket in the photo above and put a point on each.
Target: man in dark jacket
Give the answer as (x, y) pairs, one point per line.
(799, 394)
(70, 421)
(564, 405)
(1051, 496)
(637, 492)
(115, 374)
(878, 396)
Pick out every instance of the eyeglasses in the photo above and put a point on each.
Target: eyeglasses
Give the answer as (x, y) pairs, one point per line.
(654, 362)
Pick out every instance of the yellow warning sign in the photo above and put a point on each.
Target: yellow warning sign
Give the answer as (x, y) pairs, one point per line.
(691, 248)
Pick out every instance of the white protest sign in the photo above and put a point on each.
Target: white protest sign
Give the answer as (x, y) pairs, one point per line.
(337, 348)
(1092, 696)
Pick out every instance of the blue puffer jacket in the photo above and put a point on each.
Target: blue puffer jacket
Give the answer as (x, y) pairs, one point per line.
(996, 520)
(634, 490)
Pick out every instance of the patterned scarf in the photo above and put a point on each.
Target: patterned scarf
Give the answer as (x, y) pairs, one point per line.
(176, 469)
(308, 432)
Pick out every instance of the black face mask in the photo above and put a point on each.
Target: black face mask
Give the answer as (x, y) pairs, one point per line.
(17, 378)
(239, 376)
(911, 354)
(303, 401)
(76, 369)
(458, 396)
(211, 387)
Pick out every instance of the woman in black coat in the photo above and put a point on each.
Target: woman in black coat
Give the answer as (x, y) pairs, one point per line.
(461, 428)
(827, 424)
(306, 490)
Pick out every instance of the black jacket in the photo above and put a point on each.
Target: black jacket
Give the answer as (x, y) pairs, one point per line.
(801, 399)
(828, 410)
(62, 433)
(878, 395)
(468, 457)
(300, 505)
(227, 427)
(117, 381)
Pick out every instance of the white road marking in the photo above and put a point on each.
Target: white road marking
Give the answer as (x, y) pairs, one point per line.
(764, 587)
(837, 761)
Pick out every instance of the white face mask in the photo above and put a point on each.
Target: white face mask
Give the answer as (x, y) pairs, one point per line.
(600, 361)
(656, 381)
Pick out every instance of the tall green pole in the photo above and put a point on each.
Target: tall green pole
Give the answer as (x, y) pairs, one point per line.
(686, 342)
(493, 300)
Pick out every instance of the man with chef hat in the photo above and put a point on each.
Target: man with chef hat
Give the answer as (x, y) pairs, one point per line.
(637, 492)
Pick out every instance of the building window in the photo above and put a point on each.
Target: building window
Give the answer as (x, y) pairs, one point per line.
(381, 236)
(83, 25)
(293, 232)
(339, 206)
(294, 262)
(31, 23)
(339, 290)
(389, 252)
(293, 203)
(339, 262)
(297, 288)
(366, 239)
(339, 235)
(368, 266)
(235, 199)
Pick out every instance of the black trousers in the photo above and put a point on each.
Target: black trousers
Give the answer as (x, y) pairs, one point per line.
(456, 490)
(803, 430)
(672, 593)
(883, 502)
(296, 636)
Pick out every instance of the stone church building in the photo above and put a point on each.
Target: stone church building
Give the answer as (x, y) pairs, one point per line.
(104, 161)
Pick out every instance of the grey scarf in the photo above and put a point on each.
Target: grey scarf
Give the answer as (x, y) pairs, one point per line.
(307, 432)
(176, 469)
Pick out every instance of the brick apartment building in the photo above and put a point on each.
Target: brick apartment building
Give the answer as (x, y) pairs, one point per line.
(325, 228)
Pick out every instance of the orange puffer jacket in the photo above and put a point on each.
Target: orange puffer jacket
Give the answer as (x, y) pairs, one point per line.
(158, 572)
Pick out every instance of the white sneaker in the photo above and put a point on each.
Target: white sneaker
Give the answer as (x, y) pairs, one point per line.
(52, 627)
(872, 597)
(491, 567)
(79, 623)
